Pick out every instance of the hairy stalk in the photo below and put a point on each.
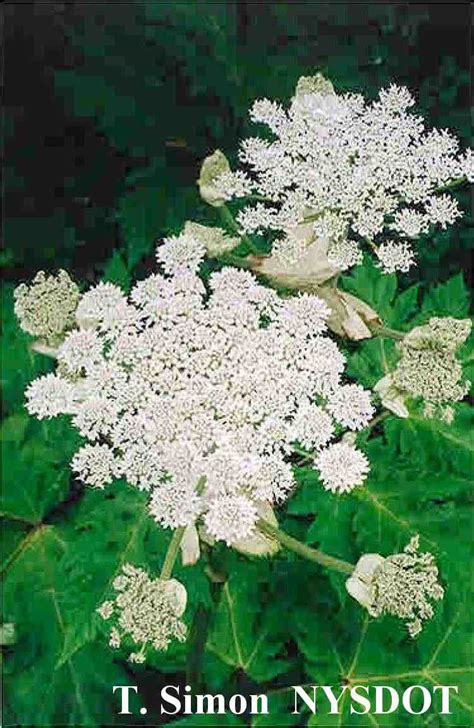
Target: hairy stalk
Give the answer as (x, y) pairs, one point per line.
(198, 638)
(452, 185)
(175, 543)
(234, 260)
(229, 219)
(385, 331)
(292, 544)
(375, 420)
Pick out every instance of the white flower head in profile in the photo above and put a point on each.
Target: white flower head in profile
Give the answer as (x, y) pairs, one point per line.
(403, 585)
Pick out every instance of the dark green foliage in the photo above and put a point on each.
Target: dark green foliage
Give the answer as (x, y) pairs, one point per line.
(154, 87)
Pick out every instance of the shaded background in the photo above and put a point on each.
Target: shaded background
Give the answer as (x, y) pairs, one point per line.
(110, 107)
(109, 110)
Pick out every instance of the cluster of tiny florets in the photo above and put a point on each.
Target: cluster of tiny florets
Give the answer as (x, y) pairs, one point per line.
(357, 170)
(46, 307)
(428, 367)
(403, 585)
(145, 612)
(181, 382)
(342, 467)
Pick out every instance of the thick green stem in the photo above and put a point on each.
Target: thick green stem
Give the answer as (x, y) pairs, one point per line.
(452, 185)
(172, 553)
(385, 331)
(375, 421)
(292, 544)
(234, 260)
(175, 543)
(228, 219)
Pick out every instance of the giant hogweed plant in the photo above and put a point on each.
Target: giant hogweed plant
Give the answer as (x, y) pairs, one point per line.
(224, 386)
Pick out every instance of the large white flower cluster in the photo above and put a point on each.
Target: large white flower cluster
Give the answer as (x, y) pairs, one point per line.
(362, 172)
(181, 383)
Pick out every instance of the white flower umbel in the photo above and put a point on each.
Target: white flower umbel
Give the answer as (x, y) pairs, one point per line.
(49, 396)
(401, 584)
(146, 612)
(218, 384)
(350, 405)
(393, 257)
(182, 251)
(342, 467)
(353, 168)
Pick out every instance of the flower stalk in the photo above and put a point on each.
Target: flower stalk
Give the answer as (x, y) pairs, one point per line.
(385, 331)
(175, 543)
(306, 552)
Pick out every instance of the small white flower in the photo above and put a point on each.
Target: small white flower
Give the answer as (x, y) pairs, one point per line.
(95, 465)
(104, 307)
(442, 210)
(396, 98)
(342, 467)
(81, 350)
(49, 396)
(410, 223)
(231, 518)
(311, 426)
(395, 257)
(106, 609)
(351, 406)
(184, 251)
(345, 254)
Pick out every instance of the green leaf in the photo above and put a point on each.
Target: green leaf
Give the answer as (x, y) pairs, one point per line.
(447, 299)
(111, 528)
(241, 636)
(117, 272)
(19, 364)
(35, 473)
(80, 692)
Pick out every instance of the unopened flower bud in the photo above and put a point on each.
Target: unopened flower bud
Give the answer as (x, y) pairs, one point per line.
(215, 239)
(317, 84)
(258, 544)
(189, 546)
(45, 308)
(309, 267)
(391, 398)
(212, 168)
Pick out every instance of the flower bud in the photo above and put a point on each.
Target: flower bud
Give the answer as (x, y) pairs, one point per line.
(213, 167)
(45, 308)
(258, 544)
(214, 239)
(189, 545)
(350, 317)
(317, 84)
(310, 267)
(359, 585)
(391, 398)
